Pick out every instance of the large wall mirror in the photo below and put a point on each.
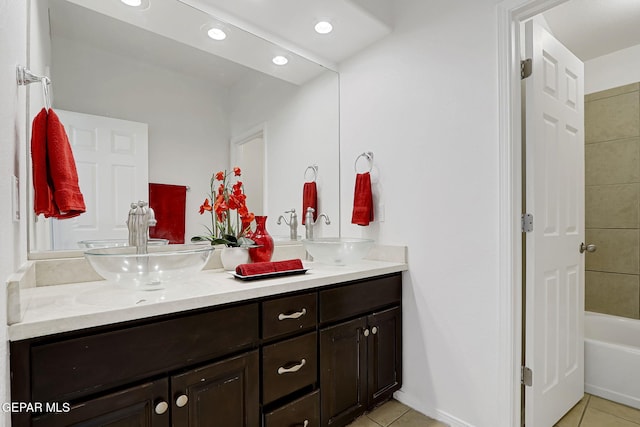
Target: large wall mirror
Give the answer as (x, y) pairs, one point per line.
(205, 105)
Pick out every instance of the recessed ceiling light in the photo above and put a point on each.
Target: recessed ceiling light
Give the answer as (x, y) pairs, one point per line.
(216, 34)
(280, 60)
(132, 3)
(323, 27)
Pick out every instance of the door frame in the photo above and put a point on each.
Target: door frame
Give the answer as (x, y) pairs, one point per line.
(510, 14)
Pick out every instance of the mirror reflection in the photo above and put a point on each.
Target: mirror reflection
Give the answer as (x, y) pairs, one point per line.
(147, 97)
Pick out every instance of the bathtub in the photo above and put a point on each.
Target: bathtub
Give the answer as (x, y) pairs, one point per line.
(612, 358)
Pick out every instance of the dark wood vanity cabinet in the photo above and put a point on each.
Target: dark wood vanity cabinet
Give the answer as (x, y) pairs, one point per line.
(360, 358)
(318, 357)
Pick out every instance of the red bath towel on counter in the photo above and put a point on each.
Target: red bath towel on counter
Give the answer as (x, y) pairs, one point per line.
(42, 197)
(169, 204)
(309, 200)
(362, 200)
(63, 175)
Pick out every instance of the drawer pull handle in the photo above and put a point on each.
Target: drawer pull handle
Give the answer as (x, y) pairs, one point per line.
(295, 315)
(294, 368)
(161, 407)
(182, 400)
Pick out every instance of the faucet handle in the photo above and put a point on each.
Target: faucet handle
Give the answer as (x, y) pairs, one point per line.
(152, 217)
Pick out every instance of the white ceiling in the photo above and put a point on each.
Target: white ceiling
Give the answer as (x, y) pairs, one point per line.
(592, 28)
(356, 23)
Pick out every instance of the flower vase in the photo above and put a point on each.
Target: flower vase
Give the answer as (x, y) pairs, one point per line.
(263, 239)
(232, 257)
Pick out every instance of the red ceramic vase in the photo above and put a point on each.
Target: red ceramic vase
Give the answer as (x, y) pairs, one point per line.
(262, 237)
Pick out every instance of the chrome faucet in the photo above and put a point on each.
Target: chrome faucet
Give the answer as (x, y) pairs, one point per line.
(140, 219)
(292, 223)
(309, 222)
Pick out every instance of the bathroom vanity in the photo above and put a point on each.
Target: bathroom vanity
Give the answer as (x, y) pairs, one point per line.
(316, 349)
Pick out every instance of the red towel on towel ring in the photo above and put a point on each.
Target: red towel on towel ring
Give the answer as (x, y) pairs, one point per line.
(309, 200)
(169, 206)
(362, 200)
(42, 197)
(63, 174)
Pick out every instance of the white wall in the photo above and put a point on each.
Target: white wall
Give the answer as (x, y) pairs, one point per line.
(612, 70)
(188, 122)
(425, 101)
(301, 130)
(13, 33)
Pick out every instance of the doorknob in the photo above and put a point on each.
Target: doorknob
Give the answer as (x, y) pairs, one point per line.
(587, 248)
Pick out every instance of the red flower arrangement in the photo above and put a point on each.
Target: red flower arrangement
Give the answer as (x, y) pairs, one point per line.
(226, 227)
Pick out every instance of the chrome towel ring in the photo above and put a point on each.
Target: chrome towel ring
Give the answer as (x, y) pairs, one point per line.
(314, 170)
(369, 156)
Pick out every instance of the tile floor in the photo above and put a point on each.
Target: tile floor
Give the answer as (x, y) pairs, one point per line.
(395, 414)
(591, 411)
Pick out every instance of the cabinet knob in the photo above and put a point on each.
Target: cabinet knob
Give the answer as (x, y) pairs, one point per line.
(295, 315)
(182, 400)
(306, 423)
(374, 330)
(161, 407)
(294, 368)
(366, 332)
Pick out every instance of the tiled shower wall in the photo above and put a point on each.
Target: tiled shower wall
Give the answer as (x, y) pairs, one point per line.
(612, 201)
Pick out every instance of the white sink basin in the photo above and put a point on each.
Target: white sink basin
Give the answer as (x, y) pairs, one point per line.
(113, 243)
(161, 266)
(337, 250)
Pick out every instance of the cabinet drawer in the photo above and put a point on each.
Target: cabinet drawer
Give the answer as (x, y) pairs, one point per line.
(288, 314)
(75, 367)
(295, 414)
(288, 366)
(358, 298)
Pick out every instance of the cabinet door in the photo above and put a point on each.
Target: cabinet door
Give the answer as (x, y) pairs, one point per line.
(142, 406)
(384, 354)
(223, 394)
(343, 375)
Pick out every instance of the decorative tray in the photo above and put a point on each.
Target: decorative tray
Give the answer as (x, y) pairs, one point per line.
(269, 275)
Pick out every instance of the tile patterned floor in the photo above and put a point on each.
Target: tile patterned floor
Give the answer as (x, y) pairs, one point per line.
(591, 411)
(395, 414)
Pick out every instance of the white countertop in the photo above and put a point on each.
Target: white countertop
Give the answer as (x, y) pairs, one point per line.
(63, 308)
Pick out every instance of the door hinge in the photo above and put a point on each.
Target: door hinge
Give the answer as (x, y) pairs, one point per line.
(526, 68)
(526, 376)
(526, 220)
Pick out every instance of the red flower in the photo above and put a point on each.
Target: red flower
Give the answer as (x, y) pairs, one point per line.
(205, 206)
(236, 171)
(220, 190)
(220, 176)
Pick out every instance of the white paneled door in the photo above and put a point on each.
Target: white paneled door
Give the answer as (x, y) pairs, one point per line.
(554, 348)
(113, 170)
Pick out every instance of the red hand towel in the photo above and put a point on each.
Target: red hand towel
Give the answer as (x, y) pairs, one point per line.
(362, 200)
(287, 265)
(309, 200)
(255, 268)
(268, 267)
(63, 175)
(169, 204)
(42, 197)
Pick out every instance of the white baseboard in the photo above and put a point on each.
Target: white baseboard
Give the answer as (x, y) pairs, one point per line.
(437, 414)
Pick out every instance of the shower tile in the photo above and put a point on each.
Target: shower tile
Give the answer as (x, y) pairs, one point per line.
(612, 206)
(618, 250)
(611, 293)
(633, 87)
(614, 162)
(595, 418)
(612, 118)
(622, 411)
